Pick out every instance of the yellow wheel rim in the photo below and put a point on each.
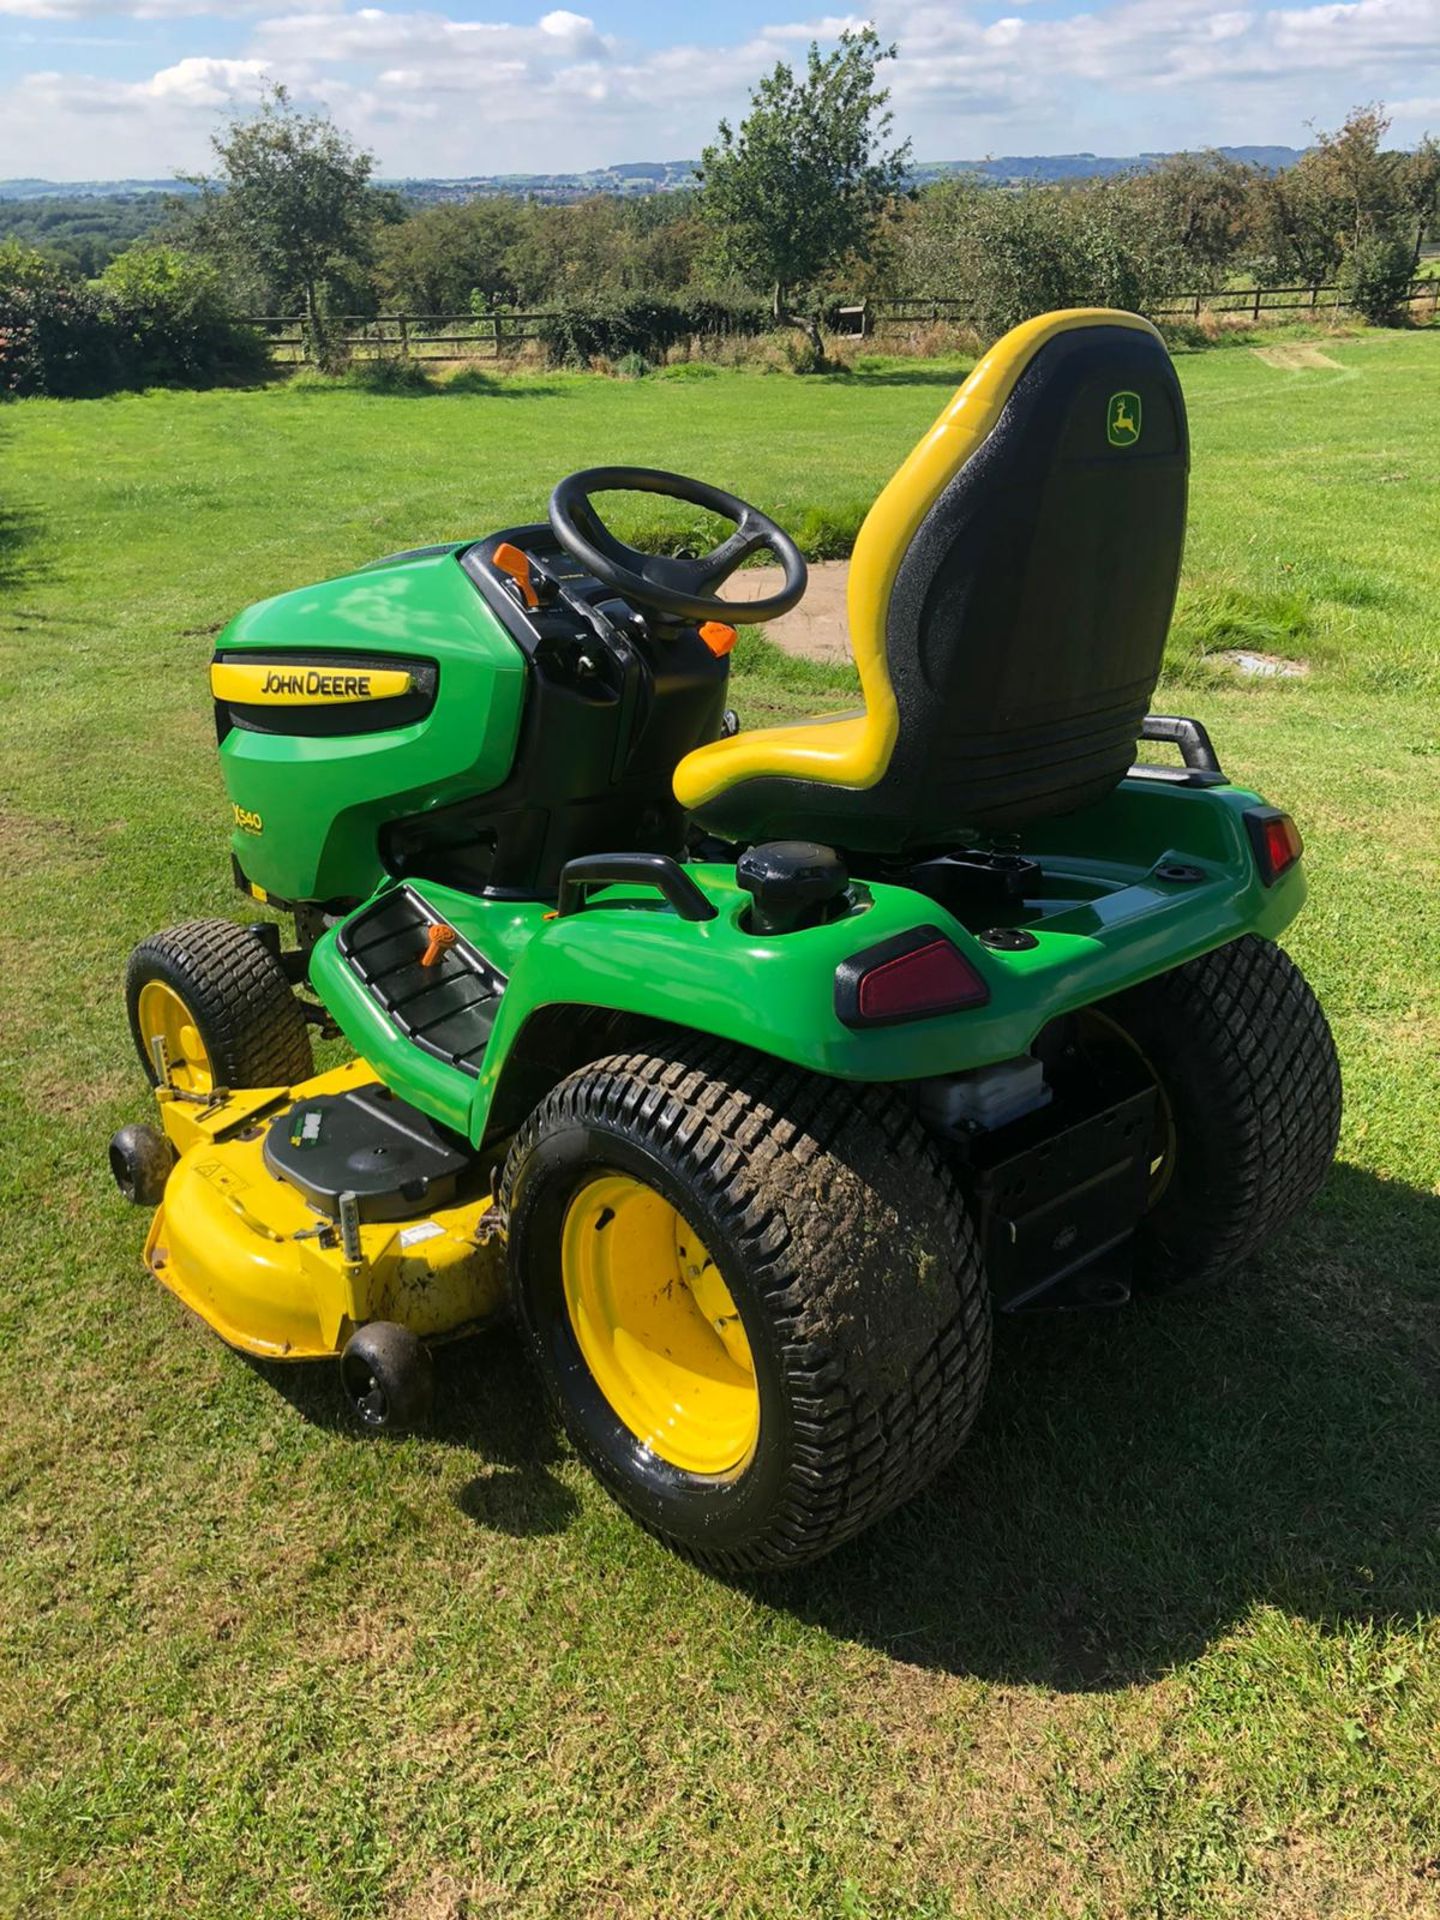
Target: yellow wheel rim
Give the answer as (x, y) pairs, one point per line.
(657, 1326)
(162, 1012)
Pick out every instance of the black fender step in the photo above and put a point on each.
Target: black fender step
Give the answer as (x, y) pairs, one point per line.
(447, 1007)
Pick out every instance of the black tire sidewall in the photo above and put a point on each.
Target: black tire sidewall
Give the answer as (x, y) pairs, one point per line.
(706, 1513)
(238, 996)
(1245, 1062)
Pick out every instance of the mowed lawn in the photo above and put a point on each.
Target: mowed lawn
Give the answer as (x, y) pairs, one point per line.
(1163, 1642)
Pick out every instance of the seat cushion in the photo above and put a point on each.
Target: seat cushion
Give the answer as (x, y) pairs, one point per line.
(840, 752)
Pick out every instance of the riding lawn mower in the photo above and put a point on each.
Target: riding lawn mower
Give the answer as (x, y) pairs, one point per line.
(753, 1071)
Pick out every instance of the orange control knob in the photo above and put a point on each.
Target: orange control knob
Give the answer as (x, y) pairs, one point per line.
(441, 937)
(718, 637)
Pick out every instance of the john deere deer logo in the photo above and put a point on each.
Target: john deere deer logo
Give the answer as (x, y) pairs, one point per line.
(1122, 420)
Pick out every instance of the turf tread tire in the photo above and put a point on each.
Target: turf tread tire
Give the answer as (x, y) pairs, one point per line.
(784, 1161)
(244, 1006)
(1244, 1053)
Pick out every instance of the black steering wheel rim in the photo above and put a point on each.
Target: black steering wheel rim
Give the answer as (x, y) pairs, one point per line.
(672, 586)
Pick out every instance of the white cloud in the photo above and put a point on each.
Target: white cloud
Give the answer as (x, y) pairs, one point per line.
(561, 91)
(206, 83)
(194, 83)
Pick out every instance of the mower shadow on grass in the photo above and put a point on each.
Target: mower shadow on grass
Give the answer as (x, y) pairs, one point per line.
(948, 376)
(1139, 1483)
(488, 1403)
(410, 380)
(22, 560)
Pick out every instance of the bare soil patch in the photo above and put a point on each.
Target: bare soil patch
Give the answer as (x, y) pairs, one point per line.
(818, 628)
(1295, 358)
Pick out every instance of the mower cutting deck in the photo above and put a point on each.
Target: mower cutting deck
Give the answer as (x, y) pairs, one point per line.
(752, 1070)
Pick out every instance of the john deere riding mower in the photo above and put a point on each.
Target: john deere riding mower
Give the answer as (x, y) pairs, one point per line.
(753, 1070)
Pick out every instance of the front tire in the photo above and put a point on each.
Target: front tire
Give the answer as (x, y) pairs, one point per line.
(1250, 1105)
(754, 1296)
(220, 1000)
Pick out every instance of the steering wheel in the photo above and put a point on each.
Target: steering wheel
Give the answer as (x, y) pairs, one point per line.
(683, 587)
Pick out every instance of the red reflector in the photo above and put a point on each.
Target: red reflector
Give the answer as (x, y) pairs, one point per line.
(1276, 841)
(933, 979)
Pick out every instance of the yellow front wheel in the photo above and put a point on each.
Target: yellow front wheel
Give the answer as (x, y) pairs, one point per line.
(755, 1299)
(214, 1002)
(166, 1021)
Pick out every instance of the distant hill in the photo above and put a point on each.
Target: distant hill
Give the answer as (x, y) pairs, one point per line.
(85, 189)
(1014, 168)
(634, 180)
(639, 177)
(84, 231)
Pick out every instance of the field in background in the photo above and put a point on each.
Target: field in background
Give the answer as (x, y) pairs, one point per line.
(1163, 1643)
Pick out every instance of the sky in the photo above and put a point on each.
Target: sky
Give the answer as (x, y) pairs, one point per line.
(104, 89)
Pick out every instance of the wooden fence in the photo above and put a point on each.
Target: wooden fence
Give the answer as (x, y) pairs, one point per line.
(889, 314)
(413, 336)
(494, 336)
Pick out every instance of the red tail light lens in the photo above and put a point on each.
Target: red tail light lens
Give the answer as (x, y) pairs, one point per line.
(908, 978)
(1276, 841)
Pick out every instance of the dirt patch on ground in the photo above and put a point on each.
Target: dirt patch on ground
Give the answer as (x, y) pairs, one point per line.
(1268, 666)
(1295, 358)
(818, 628)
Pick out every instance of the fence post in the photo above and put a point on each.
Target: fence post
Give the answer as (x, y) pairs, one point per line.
(1257, 303)
(404, 337)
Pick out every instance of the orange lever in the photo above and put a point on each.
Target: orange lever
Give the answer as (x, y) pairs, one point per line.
(441, 937)
(514, 561)
(718, 637)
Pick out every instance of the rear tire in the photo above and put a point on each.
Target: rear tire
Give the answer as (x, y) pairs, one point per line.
(1251, 1099)
(837, 1235)
(241, 1022)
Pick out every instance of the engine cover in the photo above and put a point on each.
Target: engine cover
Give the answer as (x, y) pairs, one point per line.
(345, 706)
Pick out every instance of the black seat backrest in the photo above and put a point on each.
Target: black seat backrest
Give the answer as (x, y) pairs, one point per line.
(1028, 615)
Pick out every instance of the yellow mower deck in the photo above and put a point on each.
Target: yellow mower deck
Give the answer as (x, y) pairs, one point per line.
(269, 1274)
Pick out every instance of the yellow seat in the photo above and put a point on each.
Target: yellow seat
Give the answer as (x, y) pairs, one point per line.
(1035, 531)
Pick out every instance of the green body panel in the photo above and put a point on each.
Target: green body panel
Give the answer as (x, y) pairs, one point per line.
(309, 846)
(1110, 923)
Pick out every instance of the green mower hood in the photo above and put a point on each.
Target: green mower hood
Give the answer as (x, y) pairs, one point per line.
(344, 706)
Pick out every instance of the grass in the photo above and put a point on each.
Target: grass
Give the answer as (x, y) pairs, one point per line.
(1163, 1643)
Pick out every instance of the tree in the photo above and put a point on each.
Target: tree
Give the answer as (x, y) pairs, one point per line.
(1294, 228)
(1356, 176)
(173, 318)
(1420, 193)
(1008, 255)
(1198, 205)
(1355, 209)
(434, 261)
(806, 179)
(291, 202)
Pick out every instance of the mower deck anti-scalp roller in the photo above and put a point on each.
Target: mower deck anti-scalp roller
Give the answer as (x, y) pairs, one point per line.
(752, 1071)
